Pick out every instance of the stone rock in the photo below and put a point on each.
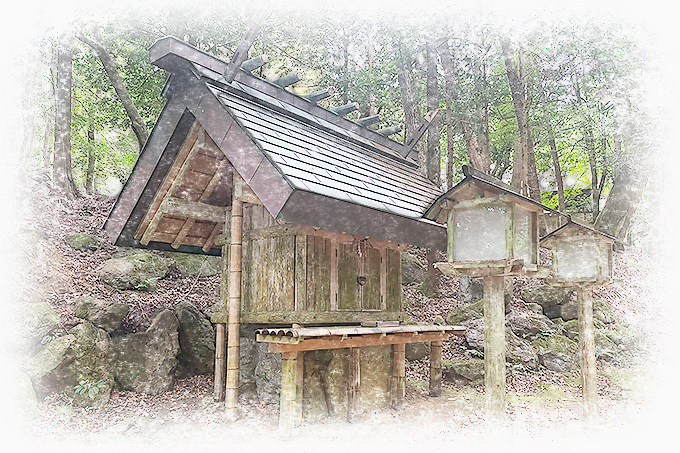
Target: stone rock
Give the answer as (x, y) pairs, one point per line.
(316, 403)
(463, 371)
(84, 242)
(568, 311)
(438, 320)
(268, 375)
(34, 322)
(196, 339)
(603, 312)
(139, 271)
(557, 343)
(535, 308)
(248, 351)
(470, 289)
(528, 324)
(376, 371)
(417, 351)
(144, 362)
(474, 335)
(189, 264)
(545, 295)
(19, 398)
(556, 361)
(50, 357)
(104, 314)
(519, 351)
(556, 301)
(82, 366)
(603, 345)
(570, 329)
(412, 270)
(466, 312)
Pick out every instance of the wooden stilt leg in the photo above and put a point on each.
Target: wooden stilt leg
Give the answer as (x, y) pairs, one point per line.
(220, 362)
(435, 368)
(398, 375)
(494, 346)
(586, 339)
(354, 385)
(299, 385)
(289, 397)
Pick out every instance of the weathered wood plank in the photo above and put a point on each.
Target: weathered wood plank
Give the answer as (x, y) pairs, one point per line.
(210, 242)
(398, 375)
(181, 235)
(289, 380)
(358, 341)
(348, 271)
(494, 346)
(300, 282)
(370, 290)
(586, 340)
(354, 385)
(219, 174)
(196, 210)
(393, 302)
(170, 177)
(435, 368)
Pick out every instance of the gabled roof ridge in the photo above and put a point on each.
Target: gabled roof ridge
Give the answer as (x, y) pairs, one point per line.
(162, 52)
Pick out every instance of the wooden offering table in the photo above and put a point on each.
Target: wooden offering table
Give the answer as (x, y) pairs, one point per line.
(292, 342)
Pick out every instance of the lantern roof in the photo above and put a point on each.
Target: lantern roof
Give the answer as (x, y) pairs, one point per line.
(477, 183)
(571, 229)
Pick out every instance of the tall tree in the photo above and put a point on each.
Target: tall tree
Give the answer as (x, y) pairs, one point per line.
(62, 172)
(136, 121)
(524, 163)
(432, 97)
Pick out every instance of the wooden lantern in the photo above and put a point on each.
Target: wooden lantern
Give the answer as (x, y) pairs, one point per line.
(492, 232)
(580, 255)
(582, 258)
(491, 228)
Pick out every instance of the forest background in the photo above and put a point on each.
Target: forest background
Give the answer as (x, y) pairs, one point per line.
(580, 96)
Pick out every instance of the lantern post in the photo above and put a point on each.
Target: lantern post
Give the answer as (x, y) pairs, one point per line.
(492, 233)
(582, 258)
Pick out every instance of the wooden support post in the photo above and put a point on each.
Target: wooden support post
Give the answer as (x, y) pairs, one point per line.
(221, 328)
(398, 375)
(234, 322)
(494, 346)
(289, 392)
(354, 385)
(436, 368)
(586, 340)
(219, 362)
(299, 385)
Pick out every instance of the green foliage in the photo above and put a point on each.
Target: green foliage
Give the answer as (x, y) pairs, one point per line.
(85, 387)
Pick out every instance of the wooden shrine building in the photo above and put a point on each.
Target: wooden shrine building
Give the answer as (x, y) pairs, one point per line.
(309, 210)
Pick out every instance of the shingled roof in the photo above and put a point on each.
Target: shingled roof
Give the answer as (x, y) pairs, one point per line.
(306, 164)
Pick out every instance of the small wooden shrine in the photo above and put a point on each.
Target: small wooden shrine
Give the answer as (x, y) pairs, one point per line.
(492, 232)
(309, 210)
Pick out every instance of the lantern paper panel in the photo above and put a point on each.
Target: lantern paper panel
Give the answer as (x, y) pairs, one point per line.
(480, 234)
(525, 236)
(577, 259)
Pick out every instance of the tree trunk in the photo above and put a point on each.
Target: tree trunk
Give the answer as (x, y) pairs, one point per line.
(525, 177)
(62, 172)
(433, 131)
(136, 121)
(592, 161)
(561, 203)
(408, 100)
(91, 160)
(623, 200)
(447, 64)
